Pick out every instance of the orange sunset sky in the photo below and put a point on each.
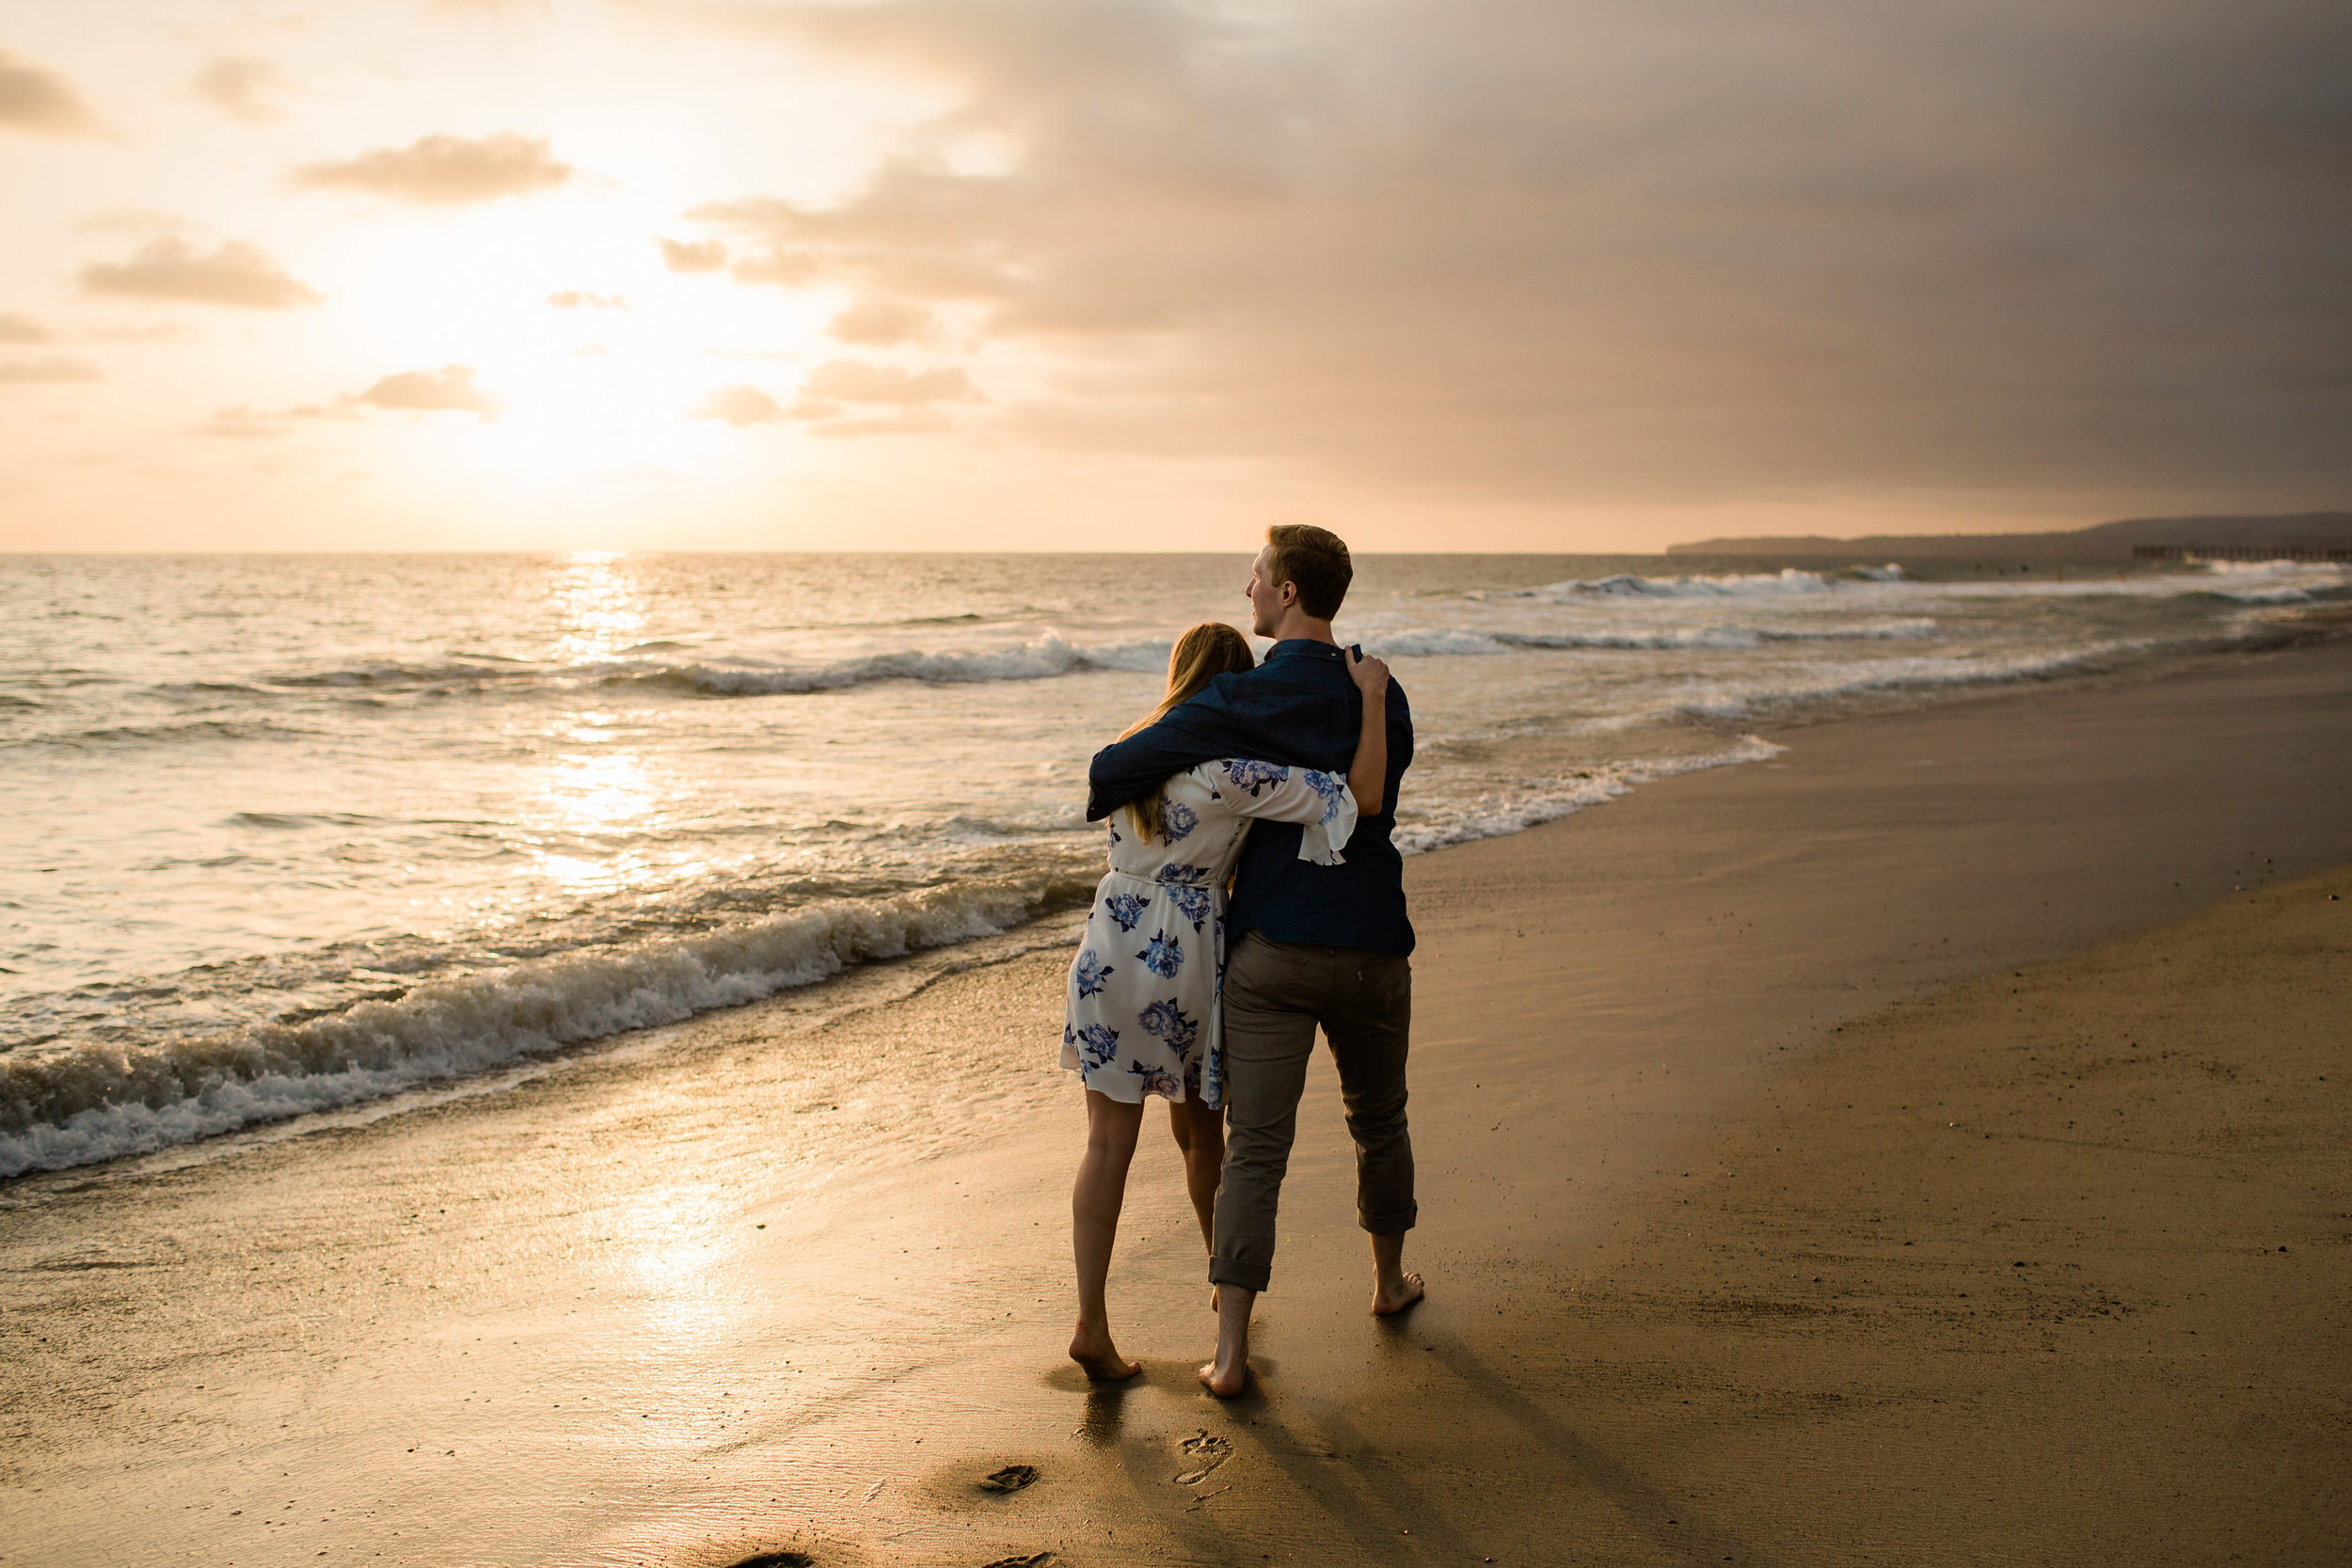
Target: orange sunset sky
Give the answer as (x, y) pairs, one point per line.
(1571, 275)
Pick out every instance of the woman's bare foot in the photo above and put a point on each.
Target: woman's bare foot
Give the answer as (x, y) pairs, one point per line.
(1391, 1297)
(1092, 1350)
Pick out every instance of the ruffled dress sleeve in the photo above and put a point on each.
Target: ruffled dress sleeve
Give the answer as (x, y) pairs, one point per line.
(1321, 803)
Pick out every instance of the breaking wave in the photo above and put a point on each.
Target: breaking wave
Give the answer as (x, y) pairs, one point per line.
(76, 1103)
(1046, 657)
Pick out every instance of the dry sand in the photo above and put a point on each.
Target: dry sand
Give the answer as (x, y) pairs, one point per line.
(1691, 1070)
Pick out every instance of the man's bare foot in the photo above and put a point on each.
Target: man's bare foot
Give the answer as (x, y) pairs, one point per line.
(1390, 1297)
(1093, 1350)
(1228, 1373)
(1224, 1380)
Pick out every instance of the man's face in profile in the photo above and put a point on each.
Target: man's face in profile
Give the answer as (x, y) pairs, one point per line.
(1266, 595)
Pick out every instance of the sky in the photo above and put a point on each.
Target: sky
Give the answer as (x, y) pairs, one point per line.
(1144, 275)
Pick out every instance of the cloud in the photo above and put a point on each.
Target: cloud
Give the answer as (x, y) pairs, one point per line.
(741, 404)
(911, 421)
(34, 97)
(22, 329)
(574, 299)
(48, 370)
(241, 87)
(883, 322)
(693, 255)
(236, 274)
(1613, 250)
(242, 424)
(855, 381)
(133, 220)
(448, 389)
(446, 171)
(833, 392)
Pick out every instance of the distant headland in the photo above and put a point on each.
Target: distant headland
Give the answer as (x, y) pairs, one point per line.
(2303, 536)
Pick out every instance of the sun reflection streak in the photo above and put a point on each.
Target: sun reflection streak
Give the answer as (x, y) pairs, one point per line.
(598, 606)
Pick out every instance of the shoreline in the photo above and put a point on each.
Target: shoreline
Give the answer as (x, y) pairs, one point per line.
(828, 944)
(720, 1336)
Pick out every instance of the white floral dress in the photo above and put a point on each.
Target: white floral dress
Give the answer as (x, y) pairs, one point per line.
(1143, 1015)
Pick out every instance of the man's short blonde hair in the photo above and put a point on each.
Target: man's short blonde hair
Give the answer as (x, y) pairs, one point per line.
(1315, 560)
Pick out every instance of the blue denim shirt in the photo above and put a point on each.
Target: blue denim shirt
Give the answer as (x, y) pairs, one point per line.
(1299, 708)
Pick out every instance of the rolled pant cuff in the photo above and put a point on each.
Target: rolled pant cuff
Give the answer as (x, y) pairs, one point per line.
(1232, 1270)
(1396, 1223)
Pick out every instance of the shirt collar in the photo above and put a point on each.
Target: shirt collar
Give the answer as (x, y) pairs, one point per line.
(1303, 647)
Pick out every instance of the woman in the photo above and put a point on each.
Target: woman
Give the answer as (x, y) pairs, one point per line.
(1142, 1018)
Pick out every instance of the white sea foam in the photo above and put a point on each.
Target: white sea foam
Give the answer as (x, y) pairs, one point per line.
(68, 1105)
(1822, 685)
(1043, 659)
(1625, 585)
(1494, 814)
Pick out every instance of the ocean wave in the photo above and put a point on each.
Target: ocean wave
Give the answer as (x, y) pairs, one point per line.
(1049, 657)
(183, 732)
(1730, 638)
(1498, 814)
(482, 669)
(66, 1105)
(1904, 674)
(1440, 642)
(1780, 584)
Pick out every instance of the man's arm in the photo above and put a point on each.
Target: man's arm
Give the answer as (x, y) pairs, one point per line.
(1198, 730)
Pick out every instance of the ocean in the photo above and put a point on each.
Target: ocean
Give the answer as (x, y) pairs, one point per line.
(295, 834)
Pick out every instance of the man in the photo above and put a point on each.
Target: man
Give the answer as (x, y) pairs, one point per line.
(1308, 945)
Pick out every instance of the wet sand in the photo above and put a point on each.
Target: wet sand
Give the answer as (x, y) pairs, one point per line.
(1691, 1070)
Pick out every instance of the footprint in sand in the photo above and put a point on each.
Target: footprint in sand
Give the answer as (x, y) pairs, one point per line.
(778, 1559)
(1203, 1453)
(1037, 1560)
(1012, 1477)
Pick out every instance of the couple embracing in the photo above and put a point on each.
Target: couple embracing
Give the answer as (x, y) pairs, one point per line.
(1214, 1009)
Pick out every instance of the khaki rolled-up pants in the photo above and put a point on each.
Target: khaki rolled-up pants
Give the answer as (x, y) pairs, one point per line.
(1276, 994)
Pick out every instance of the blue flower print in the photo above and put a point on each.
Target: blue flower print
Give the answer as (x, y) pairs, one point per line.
(1328, 786)
(1162, 957)
(1157, 1081)
(1183, 875)
(1089, 974)
(1190, 902)
(1178, 819)
(1097, 1043)
(1254, 776)
(1126, 908)
(1166, 1023)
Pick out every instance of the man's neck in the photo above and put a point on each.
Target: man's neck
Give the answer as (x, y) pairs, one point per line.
(1297, 628)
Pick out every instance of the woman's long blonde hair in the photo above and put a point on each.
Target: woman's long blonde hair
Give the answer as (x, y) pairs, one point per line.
(1207, 651)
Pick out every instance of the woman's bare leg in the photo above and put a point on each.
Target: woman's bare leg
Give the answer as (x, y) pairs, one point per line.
(1094, 1205)
(1199, 1131)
